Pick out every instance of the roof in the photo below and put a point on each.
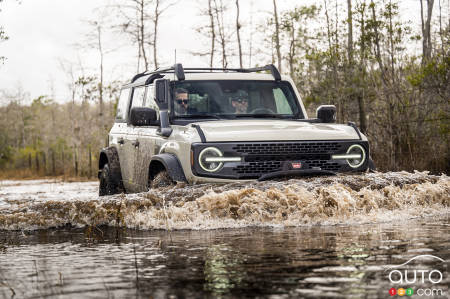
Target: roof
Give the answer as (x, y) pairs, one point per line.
(177, 72)
(215, 76)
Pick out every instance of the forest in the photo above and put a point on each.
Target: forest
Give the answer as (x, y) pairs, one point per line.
(387, 74)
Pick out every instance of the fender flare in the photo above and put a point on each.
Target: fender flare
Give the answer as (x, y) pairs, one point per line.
(171, 164)
(109, 155)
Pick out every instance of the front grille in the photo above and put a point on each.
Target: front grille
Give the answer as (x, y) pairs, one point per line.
(258, 168)
(324, 165)
(286, 157)
(263, 158)
(287, 148)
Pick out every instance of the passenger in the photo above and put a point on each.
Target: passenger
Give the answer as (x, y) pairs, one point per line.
(240, 102)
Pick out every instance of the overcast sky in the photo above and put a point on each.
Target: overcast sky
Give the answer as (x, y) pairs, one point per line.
(45, 33)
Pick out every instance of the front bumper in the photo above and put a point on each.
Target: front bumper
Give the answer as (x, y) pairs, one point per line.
(260, 160)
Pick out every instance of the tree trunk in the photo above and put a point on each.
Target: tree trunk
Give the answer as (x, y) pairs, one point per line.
(44, 162)
(377, 41)
(53, 162)
(250, 46)
(277, 35)
(340, 108)
(100, 84)
(221, 28)
(292, 50)
(350, 32)
(90, 162)
(155, 32)
(362, 71)
(238, 27)
(36, 157)
(63, 162)
(426, 30)
(213, 33)
(76, 161)
(142, 32)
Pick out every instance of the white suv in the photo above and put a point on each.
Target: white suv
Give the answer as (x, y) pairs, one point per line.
(199, 125)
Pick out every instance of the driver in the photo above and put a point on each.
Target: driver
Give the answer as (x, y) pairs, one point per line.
(182, 101)
(240, 102)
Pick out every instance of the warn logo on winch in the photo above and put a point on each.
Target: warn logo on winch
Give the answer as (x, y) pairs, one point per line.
(296, 165)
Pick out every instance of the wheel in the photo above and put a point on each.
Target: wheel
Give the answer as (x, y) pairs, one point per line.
(161, 179)
(262, 110)
(107, 184)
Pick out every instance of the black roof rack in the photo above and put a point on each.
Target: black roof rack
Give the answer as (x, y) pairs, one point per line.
(179, 71)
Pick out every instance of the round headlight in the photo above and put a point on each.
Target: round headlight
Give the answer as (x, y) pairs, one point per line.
(357, 150)
(210, 152)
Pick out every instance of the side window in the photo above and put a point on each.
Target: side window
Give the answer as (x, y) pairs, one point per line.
(150, 101)
(281, 102)
(122, 105)
(138, 97)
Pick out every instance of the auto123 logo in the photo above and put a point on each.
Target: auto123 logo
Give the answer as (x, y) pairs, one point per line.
(422, 275)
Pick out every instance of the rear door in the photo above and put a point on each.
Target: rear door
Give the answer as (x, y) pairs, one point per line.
(119, 130)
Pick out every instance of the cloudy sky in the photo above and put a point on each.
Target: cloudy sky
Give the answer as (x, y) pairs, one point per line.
(46, 34)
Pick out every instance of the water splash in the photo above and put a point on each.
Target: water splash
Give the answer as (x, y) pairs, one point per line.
(343, 199)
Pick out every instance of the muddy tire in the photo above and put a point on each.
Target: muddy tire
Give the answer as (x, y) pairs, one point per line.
(162, 179)
(371, 166)
(107, 183)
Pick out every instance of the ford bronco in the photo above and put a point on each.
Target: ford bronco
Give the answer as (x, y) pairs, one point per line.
(200, 125)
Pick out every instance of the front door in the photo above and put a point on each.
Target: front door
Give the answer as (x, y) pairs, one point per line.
(130, 144)
(147, 137)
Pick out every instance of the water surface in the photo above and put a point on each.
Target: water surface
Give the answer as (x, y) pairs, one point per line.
(330, 261)
(323, 237)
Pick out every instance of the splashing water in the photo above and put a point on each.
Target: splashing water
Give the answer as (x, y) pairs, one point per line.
(342, 199)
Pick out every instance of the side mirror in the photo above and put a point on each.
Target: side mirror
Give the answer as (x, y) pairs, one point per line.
(143, 116)
(326, 113)
(162, 93)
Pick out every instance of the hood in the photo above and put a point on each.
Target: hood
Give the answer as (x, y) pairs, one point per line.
(273, 130)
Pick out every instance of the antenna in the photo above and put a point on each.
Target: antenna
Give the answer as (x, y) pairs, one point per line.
(175, 62)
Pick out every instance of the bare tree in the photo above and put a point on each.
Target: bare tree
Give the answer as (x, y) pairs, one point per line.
(3, 37)
(158, 11)
(238, 28)
(219, 11)
(350, 32)
(212, 32)
(426, 30)
(133, 20)
(277, 34)
(209, 31)
(250, 39)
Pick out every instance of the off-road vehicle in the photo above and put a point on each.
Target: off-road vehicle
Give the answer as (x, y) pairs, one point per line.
(199, 125)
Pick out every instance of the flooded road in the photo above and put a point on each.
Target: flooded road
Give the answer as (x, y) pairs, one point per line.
(318, 237)
(331, 261)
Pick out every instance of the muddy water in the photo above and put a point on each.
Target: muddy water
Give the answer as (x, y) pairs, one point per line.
(343, 199)
(312, 262)
(316, 237)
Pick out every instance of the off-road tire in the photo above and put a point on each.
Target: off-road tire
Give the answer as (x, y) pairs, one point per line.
(107, 184)
(371, 166)
(162, 179)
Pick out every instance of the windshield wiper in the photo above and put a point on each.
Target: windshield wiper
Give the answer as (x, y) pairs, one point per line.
(266, 115)
(214, 116)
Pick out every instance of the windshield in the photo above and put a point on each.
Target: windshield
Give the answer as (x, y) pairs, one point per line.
(234, 98)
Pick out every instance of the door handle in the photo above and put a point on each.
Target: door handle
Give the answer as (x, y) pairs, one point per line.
(121, 141)
(135, 143)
